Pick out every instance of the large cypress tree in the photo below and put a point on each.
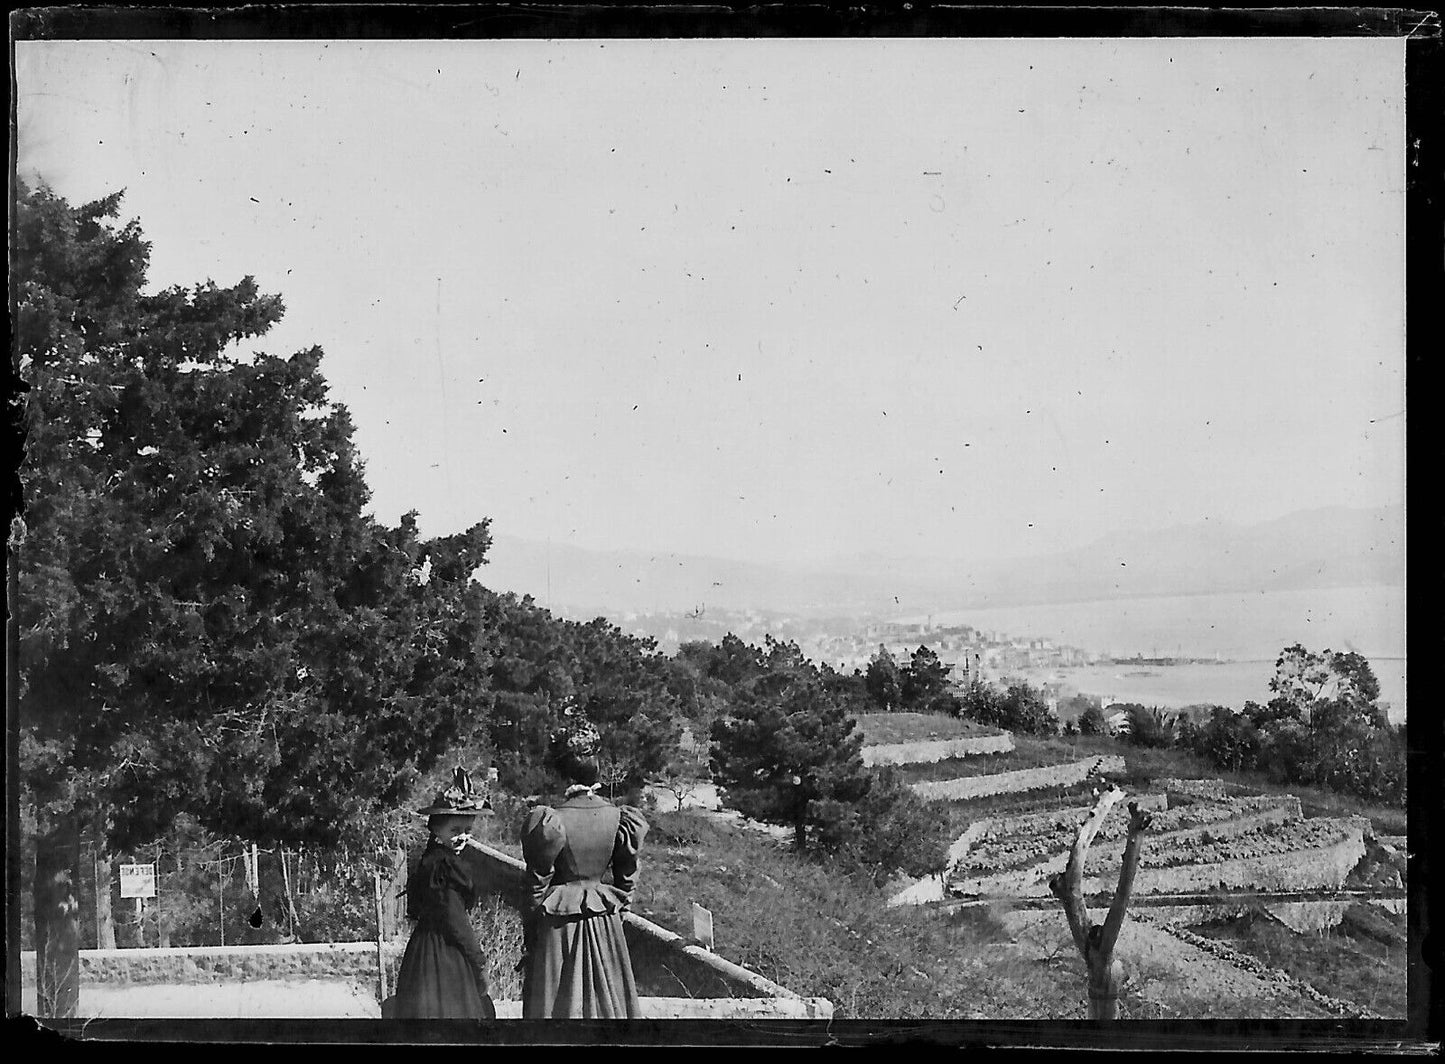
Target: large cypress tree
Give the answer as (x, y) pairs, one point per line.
(208, 620)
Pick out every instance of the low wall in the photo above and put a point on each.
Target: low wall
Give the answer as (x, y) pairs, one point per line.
(1025, 779)
(1321, 868)
(664, 964)
(1192, 788)
(220, 964)
(932, 750)
(343, 999)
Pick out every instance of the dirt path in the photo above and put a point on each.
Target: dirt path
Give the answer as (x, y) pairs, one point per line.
(1163, 971)
(703, 798)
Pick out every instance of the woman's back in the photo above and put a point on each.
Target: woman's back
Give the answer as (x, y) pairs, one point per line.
(579, 964)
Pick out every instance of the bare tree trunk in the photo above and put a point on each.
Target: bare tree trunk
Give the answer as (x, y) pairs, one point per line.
(104, 916)
(158, 907)
(394, 906)
(57, 919)
(1096, 943)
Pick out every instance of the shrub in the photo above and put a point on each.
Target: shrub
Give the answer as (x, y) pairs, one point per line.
(1092, 721)
(1021, 708)
(888, 831)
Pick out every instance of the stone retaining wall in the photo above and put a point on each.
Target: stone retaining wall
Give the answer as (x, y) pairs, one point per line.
(1300, 916)
(1321, 868)
(1192, 788)
(933, 750)
(1026, 779)
(219, 964)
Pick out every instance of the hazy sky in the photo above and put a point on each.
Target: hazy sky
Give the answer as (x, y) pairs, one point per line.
(786, 300)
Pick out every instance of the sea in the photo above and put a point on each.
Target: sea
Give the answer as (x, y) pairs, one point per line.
(1244, 631)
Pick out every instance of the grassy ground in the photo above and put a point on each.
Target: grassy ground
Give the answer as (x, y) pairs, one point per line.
(1363, 960)
(881, 729)
(822, 933)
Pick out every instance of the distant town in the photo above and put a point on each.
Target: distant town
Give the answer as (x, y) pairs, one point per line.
(848, 643)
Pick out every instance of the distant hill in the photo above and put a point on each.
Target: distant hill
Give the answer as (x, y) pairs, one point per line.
(1334, 547)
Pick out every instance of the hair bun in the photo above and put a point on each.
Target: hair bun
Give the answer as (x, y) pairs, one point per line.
(578, 737)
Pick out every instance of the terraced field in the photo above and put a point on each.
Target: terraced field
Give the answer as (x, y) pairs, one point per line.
(981, 765)
(1213, 845)
(884, 729)
(1014, 842)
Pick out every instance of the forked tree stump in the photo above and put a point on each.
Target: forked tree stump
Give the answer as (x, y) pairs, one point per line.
(1096, 943)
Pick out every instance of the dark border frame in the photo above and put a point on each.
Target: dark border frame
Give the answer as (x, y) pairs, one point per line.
(1425, 283)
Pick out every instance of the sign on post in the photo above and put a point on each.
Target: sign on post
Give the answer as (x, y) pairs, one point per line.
(137, 881)
(702, 926)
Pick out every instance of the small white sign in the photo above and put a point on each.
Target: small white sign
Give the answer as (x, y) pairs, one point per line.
(702, 926)
(137, 881)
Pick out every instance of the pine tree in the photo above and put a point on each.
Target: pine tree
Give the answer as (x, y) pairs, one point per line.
(883, 680)
(786, 751)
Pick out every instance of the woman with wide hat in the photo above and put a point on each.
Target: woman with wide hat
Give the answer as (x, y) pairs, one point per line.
(443, 974)
(577, 964)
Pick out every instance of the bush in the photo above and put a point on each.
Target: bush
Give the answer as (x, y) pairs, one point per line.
(1019, 709)
(1092, 721)
(888, 831)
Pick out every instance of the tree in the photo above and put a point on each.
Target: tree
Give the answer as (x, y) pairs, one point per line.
(883, 680)
(1026, 710)
(1151, 727)
(1092, 720)
(208, 621)
(1229, 739)
(924, 679)
(784, 753)
(1096, 942)
(1323, 716)
(622, 684)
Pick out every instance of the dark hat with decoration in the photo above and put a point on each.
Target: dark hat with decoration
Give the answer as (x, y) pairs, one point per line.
(459, 799)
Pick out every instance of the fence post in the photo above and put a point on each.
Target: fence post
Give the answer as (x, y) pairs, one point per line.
(380, 937)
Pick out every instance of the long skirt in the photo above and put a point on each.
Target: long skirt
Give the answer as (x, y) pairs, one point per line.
(579, 968)
(437, 983)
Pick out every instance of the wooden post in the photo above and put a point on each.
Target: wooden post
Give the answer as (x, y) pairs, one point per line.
(800, 809)
(291, 918)
(380, 938)
(221, 882)
(1096, 944)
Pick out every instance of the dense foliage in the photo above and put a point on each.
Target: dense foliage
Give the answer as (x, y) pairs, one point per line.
(1323, 726)
(1018, 708)
(211, 624)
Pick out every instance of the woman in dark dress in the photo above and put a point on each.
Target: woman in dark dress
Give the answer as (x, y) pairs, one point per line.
(443, 974)
(577, 963)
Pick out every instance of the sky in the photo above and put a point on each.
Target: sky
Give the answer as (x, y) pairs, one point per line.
(792, 301)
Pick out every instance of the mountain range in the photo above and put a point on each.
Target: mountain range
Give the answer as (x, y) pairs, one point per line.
(1323, 548)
